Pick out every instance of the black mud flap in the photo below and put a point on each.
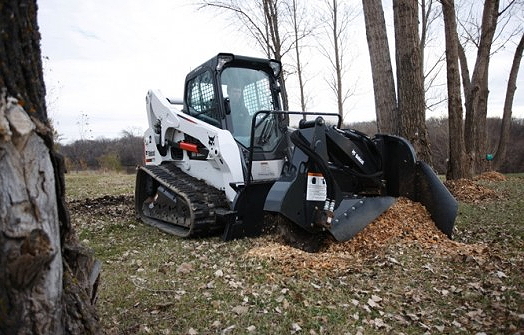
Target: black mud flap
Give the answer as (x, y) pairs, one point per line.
(416, 181)
(437, 199)
(352, 215)
(248, 220)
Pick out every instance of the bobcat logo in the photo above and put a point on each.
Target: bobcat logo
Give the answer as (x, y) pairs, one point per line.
(211, 140)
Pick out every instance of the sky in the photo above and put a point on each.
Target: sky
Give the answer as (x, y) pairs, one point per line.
(101, 57)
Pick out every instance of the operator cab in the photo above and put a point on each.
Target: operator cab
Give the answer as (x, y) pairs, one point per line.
(238, 93)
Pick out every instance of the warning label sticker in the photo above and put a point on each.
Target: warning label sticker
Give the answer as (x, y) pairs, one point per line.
(316, 187)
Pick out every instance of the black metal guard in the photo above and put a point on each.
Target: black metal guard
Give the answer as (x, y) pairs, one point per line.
(253, 124)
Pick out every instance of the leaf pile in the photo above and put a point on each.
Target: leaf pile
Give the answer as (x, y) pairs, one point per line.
(491, 176)
(470, 191)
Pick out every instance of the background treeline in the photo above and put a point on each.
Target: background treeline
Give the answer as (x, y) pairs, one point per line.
(126, 152)
(119, 154)
(438, 134)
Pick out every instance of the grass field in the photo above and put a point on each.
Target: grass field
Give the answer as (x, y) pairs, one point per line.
(154, 283)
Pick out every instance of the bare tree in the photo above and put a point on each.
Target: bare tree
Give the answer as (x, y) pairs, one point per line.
(47, 279)
(476, 94)
(475, 86)
(488, 36)
(500, 154)
(382, 73)
(410, 77)
(337, 17)
(432, 63)
(262, 19)
(457, 163)
(381, 69)
(401, 113)
(301, 30)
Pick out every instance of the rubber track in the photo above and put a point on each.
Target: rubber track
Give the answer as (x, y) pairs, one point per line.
(204, 199)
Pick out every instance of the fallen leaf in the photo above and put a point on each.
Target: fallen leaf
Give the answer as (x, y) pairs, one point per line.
(295, 327)
(474, 313)
(184, 268)
(501, 274)
(379, 323)
(373, 304)
(440, 328)
(376, 298)
(393, 260)
(456, 324)
(228, 329)
(412, 316)
(239, 310)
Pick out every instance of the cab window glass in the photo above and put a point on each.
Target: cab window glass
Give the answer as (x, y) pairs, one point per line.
(201, 99)
(249, 91)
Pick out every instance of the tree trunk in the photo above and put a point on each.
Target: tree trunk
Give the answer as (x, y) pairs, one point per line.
(500, 154)
(457, 162)
(338, 60)
(410, 78)
(381, 70)
(297, 46)
(477, 94)
(47, 279)
(271, 13)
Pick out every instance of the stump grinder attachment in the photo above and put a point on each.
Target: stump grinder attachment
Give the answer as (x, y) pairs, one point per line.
(347, 179)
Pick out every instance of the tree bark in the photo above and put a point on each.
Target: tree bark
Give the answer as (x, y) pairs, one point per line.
(296, 20)
(477, 94)
(381, 69)
(272, 15)
(457, 162)
(410, 78)
(47, 279)
(500, 154)
(338, 58)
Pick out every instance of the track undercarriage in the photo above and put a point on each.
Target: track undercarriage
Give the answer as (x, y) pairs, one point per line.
(177, 203)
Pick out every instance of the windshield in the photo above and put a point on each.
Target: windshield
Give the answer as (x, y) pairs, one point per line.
(246, 92)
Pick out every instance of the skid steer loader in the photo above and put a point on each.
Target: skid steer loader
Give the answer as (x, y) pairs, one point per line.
(225, 155)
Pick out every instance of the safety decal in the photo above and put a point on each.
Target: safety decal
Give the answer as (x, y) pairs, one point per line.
(316, 187)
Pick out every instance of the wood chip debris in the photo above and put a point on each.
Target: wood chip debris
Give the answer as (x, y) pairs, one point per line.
(406, 223)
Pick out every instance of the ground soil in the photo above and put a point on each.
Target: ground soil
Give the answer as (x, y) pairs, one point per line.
(405, 223)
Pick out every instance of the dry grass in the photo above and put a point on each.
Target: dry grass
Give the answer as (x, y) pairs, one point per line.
(389, 280)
